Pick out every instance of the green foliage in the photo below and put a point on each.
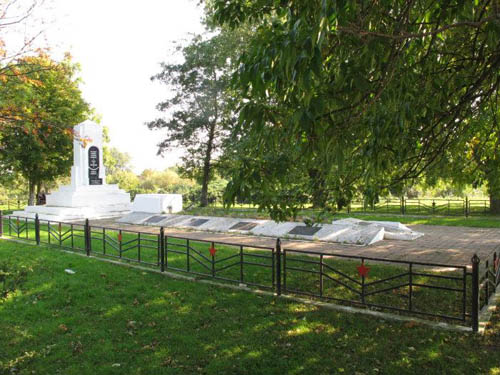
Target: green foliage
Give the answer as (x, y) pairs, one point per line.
(201, 112)
(368, 96)
(38, 109)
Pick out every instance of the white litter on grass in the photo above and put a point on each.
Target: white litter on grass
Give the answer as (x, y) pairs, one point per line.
(348, 231)
(68, 271)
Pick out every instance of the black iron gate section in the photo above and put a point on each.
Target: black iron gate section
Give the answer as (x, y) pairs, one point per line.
(133, 246)
(19, 227)
(489, 281)
(430, 289)
(66, 235)
(235, 263)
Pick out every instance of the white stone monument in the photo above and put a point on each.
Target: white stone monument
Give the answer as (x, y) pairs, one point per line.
(88, 196)
(157, 203)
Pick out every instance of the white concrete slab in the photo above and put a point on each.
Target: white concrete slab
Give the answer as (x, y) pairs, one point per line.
(157, 203)
(352, 231)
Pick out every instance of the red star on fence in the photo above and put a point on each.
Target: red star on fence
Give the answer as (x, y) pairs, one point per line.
(119, 237)
(496, 264)
(212, 250)
(362, 270)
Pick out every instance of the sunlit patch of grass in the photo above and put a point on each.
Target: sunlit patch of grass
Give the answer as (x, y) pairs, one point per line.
(300, 329)
(87, 323)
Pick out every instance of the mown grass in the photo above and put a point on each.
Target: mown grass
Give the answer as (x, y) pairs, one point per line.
(106, 319)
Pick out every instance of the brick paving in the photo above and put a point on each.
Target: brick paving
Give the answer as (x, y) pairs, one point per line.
(440, 244)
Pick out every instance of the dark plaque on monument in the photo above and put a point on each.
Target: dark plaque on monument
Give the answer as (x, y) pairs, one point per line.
(304, 230)
(155, 219)
(197, 222)
(94, 166)
(243, 226)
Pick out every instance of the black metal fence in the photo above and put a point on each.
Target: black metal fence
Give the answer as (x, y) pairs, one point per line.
(405, 206)
(447, 292)
(12, 204)
(424, 206)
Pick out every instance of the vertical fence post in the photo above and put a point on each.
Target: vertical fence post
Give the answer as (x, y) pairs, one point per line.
(487, 281)
(37, 229)
(1, 223)
(213, 260)
(495, 266)
(187, 255)
(363, 283)
(278, 267)
(162, 249)
(87, 237)
(475, 293)
(466, 206)
(241, 265)
(410, 287)
(321, 275)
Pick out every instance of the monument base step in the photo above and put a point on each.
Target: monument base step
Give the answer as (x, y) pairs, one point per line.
(64, 214)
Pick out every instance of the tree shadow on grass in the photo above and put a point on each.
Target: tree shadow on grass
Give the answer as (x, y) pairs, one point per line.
(106, 319)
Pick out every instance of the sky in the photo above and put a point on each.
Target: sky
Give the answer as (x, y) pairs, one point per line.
(119, 45)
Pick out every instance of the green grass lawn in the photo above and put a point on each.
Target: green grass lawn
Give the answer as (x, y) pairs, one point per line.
(106, 319)
(254, 267)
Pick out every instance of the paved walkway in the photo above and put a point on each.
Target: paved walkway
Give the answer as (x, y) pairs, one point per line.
(440, 244)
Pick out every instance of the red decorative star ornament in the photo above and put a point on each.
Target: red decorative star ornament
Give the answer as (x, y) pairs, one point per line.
(212, 250)
(362, 270)
(119, 237)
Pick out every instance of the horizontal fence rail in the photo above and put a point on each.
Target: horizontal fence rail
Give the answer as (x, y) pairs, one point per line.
(431, 290)
(405, 206)
(404, 287)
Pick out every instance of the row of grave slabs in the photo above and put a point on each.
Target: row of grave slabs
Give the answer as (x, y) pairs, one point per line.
(343, 233)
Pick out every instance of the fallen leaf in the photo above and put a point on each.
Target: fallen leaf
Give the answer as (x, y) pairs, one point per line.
(62, 327)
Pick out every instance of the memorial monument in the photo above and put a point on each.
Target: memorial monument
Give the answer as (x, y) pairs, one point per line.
(88, 196)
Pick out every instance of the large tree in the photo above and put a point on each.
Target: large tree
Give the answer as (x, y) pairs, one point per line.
(37, 140)
(368, 95)
(476, 160)
(201, 111)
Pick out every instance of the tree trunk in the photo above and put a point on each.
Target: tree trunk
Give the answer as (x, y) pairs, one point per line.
(318, 193)
(495, 204)
(207, 166)
(31, 193)
(494, 192)
(37, 192)
(207, 163)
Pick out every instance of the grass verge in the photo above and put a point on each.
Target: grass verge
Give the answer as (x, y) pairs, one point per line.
(105, 319)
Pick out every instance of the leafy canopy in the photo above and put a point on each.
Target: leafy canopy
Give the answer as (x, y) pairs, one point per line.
(368, 95)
